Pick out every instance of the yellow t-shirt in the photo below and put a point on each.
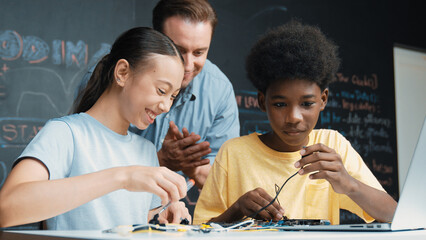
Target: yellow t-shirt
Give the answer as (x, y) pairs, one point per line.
(245, 163)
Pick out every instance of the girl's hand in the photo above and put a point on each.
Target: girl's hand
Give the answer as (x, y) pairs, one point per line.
(161, 181)
(175, 213)
(324, 163)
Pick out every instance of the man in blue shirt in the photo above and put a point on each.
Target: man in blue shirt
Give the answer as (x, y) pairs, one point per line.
(206, 104)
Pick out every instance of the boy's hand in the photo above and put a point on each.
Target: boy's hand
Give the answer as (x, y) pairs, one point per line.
(324, 163)
(254, 200)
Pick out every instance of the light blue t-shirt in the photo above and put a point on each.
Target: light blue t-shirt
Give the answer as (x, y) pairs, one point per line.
(78, 144)
(206, 107)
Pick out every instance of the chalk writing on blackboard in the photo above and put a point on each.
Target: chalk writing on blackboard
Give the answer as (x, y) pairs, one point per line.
(355, 110)
(18, 131)
(370, 81)
(252, 119)
(266, 11)
(38, 80)
(35, 50)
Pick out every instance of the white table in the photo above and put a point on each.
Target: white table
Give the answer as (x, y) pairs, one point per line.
(263, 235)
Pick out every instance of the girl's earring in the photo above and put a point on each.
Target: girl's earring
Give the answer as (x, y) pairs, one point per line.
(118, 80)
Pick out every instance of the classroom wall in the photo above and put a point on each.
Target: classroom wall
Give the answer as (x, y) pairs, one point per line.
(46, 46)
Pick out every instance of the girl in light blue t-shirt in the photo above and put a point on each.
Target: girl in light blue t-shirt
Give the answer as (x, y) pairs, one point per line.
(86, 170)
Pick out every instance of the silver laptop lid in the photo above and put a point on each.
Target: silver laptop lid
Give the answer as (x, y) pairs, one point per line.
(411, 210)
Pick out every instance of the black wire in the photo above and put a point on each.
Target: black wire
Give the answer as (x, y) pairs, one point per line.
(272, 201)
(277, 188)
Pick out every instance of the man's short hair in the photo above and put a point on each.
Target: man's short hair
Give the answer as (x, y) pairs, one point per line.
(192, 10)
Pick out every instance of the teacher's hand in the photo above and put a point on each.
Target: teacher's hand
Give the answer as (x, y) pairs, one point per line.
(181, 150)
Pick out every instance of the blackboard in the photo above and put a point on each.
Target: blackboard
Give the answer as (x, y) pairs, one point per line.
(46, 46)
(361, 104)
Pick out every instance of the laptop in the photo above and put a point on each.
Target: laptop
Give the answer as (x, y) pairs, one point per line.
(410, 213)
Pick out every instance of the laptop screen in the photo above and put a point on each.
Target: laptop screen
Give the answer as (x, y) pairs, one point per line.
(411, 210)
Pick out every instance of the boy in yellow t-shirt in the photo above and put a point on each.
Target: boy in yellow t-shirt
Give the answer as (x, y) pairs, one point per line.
(291, 66)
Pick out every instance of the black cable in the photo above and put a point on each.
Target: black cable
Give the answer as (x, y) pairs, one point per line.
(273, 200)
(277, 188)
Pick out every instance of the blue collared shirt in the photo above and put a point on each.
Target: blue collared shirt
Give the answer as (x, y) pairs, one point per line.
(207, 107)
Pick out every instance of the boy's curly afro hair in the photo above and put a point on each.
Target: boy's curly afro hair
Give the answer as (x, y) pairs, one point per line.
(292, 51)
